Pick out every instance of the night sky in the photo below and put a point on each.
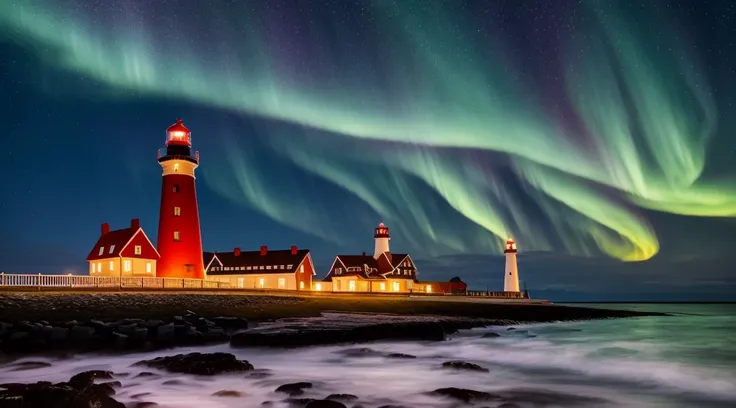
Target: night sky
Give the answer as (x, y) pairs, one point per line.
(599, 134)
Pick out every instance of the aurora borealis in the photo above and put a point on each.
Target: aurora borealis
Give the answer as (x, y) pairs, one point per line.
(575, 127)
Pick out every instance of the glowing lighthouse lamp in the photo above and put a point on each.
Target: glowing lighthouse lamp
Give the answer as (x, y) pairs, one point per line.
(511, 277)
(179, 236)
(381, 237)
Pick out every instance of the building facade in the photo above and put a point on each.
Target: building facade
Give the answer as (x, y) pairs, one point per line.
(290, 269)
(179, 236)
(123, 253)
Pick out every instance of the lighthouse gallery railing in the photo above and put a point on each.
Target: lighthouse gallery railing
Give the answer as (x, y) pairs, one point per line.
(81, 281)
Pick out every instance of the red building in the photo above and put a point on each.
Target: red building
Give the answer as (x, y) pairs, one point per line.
(123, 253)
(179, 236)
(289, 269)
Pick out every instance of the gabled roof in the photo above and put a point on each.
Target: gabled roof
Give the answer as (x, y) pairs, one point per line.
(280, 261)
(114, 242)
(365, 266)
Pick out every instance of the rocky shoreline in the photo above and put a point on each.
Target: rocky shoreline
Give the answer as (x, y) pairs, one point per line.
(97, 388)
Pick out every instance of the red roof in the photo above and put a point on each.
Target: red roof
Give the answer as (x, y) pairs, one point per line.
(250, 262)
(112, 244)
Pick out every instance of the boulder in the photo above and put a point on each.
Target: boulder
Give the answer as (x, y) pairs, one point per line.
(400, 355)
(324, 404)
(227, 393)
(342, 397)
(465, 395)
(294, 388)
(463, 365)
(199, 363)
(230, 323)
(79, 392)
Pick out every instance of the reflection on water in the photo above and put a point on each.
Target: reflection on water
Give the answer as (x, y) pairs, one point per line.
(662, 361)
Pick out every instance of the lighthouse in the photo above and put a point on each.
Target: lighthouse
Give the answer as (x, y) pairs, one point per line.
(511, 277)
(179, 236)
(381, 236)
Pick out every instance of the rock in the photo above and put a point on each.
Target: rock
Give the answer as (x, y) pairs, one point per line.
(120, 340)
(400, 355)
(81, 334)
(145, 374)
(227, 393)
(462, 365)
(229, 323)
(58, 334)
(294, 388)
(71, 323)
(126, 328)
(84, 379)
(199, 363)
(165, 333)
(464, 395)
(142, 404)
(80, 393)
(511, 328)
(151, 324)
(490, 335)
(359, 352)
(298, 402)
(29, 365)
(324, 404)
(342, 397)
(259, 373)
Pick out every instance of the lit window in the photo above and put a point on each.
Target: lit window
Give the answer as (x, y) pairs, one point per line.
(268, 267)
(112, 265)
(261, 283)
(176, 167)
(261, 268)
(281, 266)
(383, 286)
(99, 267)
(148, 267)
(126, 266)
(112, 248)
(102, 250)
(177, 211)
(176, 235)
(282, 283)
(301, 268)
(318, 286)
(176, 188)
(301, 285)
(289, 266)
(352, 286)
(138, 250)
(429, 288)
(247, 268)
(396, 286)
(91, 268)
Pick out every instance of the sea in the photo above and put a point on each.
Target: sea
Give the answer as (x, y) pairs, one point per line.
(684, 360)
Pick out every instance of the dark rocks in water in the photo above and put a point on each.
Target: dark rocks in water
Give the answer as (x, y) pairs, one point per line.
(227, 393)
(359, 352)
(463, 365)
(342, 397)
(142, 404)
(511, 328)
(29, 365)
(464, 395)
(229, 323)
(509, 405)
(294, 388)
(400, 355)
(86, 378)
(145, 374)
(490, 335)
(199, 363)
(325, 403)
(79, 392)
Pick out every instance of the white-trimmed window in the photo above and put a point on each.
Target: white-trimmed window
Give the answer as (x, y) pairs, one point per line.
(301, 284)
(112, 248)
(127, 265)
(102, 251)
(282, 283)
(99, 267)
(112, 265)
(148, 267)
(91, 268)
(176, 236)
(396, 286)
(177, 211)
(261, 283)
(138, 250)
(301, 268)
(268, 267)
(383, 285)
(247, 268)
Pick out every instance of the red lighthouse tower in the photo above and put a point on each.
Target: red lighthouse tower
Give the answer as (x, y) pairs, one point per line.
(179, 236)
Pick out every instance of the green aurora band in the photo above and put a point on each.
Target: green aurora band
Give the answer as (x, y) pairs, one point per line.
(645, 107)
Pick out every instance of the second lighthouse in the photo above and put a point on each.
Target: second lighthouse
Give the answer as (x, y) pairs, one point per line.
(179, 236)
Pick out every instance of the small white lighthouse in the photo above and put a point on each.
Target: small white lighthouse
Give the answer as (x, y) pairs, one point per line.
(511, 277)
(381, 236)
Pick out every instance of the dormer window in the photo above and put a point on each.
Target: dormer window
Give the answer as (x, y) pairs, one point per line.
(102, 251)
(112, 248)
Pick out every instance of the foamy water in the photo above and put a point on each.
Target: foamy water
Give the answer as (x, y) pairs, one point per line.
(627, 363)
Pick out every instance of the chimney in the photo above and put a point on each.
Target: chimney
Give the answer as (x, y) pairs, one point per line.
(135, 224)
(236, 251)
(363, 253)
(105, 229)
(264, 250)
(293, 249)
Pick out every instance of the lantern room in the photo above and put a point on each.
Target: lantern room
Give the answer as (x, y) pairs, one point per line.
(510, 246)
(381, 231)
(179, 135)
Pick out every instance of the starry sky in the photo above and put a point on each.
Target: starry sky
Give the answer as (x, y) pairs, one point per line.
(599, 134)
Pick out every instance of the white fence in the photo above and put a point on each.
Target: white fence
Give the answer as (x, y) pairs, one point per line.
(77, 281)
